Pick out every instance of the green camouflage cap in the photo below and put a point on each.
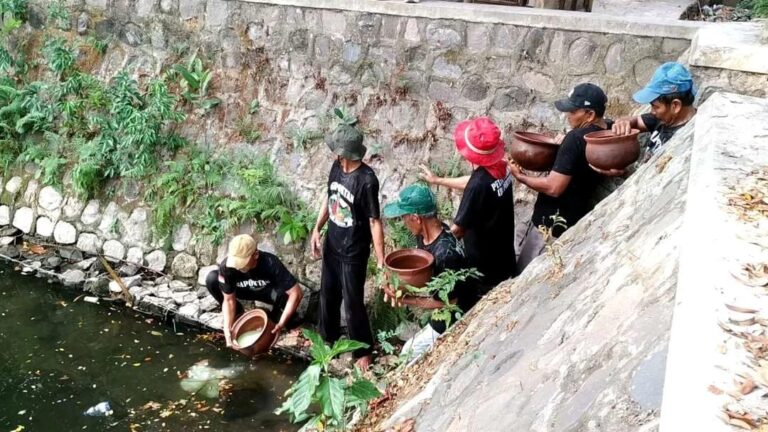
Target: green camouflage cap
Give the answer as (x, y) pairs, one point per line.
(416, 199)
(347, 142)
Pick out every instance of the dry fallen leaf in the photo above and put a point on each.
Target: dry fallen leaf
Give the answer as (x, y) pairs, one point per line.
(714, 390)
(747, 387)
(740, 423)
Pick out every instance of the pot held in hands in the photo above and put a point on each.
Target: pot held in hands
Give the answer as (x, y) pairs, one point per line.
(533, 151)
(253, 332)
(608, 151)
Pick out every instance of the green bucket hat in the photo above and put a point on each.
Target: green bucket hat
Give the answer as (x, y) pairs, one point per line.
(416, 199)
(346, 141)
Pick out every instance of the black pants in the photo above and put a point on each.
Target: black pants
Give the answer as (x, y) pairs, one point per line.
(278, 304)
(343, 280)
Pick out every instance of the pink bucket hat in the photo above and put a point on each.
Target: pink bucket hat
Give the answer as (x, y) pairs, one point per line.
(479, 141)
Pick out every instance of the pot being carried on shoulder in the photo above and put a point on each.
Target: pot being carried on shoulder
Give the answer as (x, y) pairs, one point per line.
(253, 332)
(608, 151)
(533, 151)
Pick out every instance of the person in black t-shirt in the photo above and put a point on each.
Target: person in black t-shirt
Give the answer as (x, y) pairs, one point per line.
(352, 206)
(485, 220)
(250, 274)
(417, 208)
(671, 94)
(567, 190)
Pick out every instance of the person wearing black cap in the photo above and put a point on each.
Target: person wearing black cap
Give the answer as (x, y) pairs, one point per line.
(352, 206)
(567, 190)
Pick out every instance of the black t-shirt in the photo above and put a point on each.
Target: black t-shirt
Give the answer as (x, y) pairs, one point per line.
(449, 255)
(577, 198)
(660, 133)
(266, 282)
(487, 215)
(353, 199)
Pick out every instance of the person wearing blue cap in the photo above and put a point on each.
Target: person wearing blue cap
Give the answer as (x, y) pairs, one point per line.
(671, 94)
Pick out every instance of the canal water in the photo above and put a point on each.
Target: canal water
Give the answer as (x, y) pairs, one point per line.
(60, 355)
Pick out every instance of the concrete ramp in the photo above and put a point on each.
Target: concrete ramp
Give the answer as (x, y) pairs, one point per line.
(580, 346)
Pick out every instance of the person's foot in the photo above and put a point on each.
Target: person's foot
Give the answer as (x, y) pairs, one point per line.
(363, 363)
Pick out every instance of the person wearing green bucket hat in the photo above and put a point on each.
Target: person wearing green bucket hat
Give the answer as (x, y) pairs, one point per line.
(351, 204)
(417, 208)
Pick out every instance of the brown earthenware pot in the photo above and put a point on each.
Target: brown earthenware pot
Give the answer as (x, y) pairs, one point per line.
(412, 266)
(534, 151)
(608, 151)
(258, 320)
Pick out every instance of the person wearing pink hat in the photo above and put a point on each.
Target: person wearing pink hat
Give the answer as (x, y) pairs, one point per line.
(486, 216)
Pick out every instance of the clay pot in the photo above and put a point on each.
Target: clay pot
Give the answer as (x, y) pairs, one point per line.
(608, 151)
(412, 266)
(534, 151)
(257, 320)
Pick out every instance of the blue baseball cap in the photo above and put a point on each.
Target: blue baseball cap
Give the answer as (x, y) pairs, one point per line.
(669, 78)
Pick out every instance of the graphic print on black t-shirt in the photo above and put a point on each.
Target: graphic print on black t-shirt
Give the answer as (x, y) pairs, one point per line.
(660, 133)
(487, 215)
(353, 199)
(266, 282)
(577, 198)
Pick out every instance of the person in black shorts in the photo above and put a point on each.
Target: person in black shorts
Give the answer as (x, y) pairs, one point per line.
(417, 208)
(351, 204)
(250, 274)
(566, 192)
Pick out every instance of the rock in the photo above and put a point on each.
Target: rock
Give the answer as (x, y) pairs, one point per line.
(4, 241)
(581, 55)
(72, 277)
(10, 231)
(50, 199)
(89, 243)
(478, 37)
(30, 267)
(64, 233)
(44, 226)
(91, 215)
(136, 228)
(144, 7)
(177, 285)
(156, 260)
(139, 292)
(213, 320)
(168, 6)
(202, 292)
(72, 208)
(10, 251)
(127, 281)
(5, 215)
(190, 311)
(511, 99)
(203, 273)
(14, 185)
(155, 306)
(110, 221)
(24, 219)
(184, 265)
(163, 280)
(441, 68)
(163, 291)
(98, 286)
(208, 304)
(351, 52)
(191, 8)
(475, 88)
(181, 238)
(442, 38)
(128, 270)
(30, 194)
(132, 35)
(71, 254)
(85, 264)
(184, 297)
(83, 22)
(158, 41)
(52, 262)
(113, 249)
(135, 255)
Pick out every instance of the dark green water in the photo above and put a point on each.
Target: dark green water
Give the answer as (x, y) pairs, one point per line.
(58, 357)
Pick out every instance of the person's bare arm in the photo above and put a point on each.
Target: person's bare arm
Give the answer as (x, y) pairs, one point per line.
(624, 125)
(377, 232)
(294, 298)
(322, 218)
(458, 183)
(553, 184)
(228, 307)
(457, 231)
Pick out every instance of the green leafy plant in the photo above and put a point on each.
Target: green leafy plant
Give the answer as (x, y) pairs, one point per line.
(321, 400)
(16, 9)
(58, 14)
(342, 115)
(441, 287)
(196, 79)
(248, 130)
(254, 107)
(399, 236)
(759, 8)
(303, 137)
(99, 45)
(60, 57)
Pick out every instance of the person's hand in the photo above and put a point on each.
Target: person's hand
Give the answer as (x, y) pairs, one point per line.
(610, 172)
(514, 169)
(622, 127)
(427, 175)
(390, 296)
(278, 328)
(316, 243)
(558, 139)
(231, 343)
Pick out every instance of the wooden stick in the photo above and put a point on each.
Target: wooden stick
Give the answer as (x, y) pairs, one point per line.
(115, 277)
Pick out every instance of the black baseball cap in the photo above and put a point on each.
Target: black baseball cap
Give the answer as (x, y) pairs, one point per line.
(584, 96)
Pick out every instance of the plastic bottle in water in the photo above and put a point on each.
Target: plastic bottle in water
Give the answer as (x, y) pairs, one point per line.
(100, 410)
